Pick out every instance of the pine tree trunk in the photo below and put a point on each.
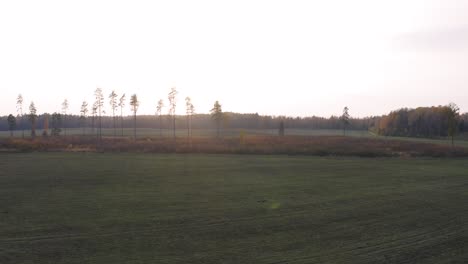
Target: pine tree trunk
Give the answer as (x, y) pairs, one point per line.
(64, 128)
(121, 121)
(160, 125)
(191, 132)
(21, 123)
(100, 124)
(92, 125)
(33, 129)
(134, 125)
(174, 127)
(100, 127)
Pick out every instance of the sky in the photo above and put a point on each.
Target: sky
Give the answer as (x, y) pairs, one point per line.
(295, 58)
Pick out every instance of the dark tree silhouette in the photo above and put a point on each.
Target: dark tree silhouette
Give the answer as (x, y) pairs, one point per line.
(159, 113)
(217, 116)
(134, 104)
(11, 124)
(281, 129)
(172, 108)
(32, 118)
(94, 110)
(56, 124)
(64, 113)
(45, 131)
(452, 116)
(113, 104)
(122, 105)
(19, 110)
(83, 115)
(99, 104)
(345, 119)
(190, 111)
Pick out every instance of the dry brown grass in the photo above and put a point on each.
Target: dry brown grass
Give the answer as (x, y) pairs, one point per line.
(289, 145)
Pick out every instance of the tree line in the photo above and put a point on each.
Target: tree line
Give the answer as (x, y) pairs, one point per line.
(94, 117)
(229, 120)
(438, 121)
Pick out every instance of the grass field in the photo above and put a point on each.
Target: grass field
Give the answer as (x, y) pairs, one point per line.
(461, 140)
(149, 132)
(142, 208)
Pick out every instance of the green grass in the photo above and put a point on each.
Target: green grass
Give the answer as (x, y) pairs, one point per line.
(461, 140)
(149, 132)
(132, 208)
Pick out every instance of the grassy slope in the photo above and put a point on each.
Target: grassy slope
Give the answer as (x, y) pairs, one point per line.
(126, 208)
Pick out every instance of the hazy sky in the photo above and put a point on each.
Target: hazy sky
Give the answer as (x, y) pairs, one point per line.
(271, 57)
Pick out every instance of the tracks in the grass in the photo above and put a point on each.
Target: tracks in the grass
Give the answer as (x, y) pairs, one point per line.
(432, 237)
(192, 226)
(438, 236)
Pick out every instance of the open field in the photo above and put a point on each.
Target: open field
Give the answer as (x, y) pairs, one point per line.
(150, 132)
(170, 208)
(252, 144)
(461, 140)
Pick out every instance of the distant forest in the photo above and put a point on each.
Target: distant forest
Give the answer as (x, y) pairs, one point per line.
(436, 121)
(419, 122)
(203, 121)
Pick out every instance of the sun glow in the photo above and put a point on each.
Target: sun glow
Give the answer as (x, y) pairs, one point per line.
(272, 57)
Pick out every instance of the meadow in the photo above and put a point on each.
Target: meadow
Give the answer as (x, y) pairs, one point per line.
(151, 132)
(461, 140)
(198, 208)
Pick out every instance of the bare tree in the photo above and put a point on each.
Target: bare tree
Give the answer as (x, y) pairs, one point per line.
(64, 112)
(159, 113)
(122, 105)
(83, 115)
(33, 118)
(100, 104)
(113, 104)
(217, 115)
(134, 104)
(172, 108)
(19, 110)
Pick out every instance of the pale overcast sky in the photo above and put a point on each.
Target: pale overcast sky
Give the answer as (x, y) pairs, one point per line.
(271, 57)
